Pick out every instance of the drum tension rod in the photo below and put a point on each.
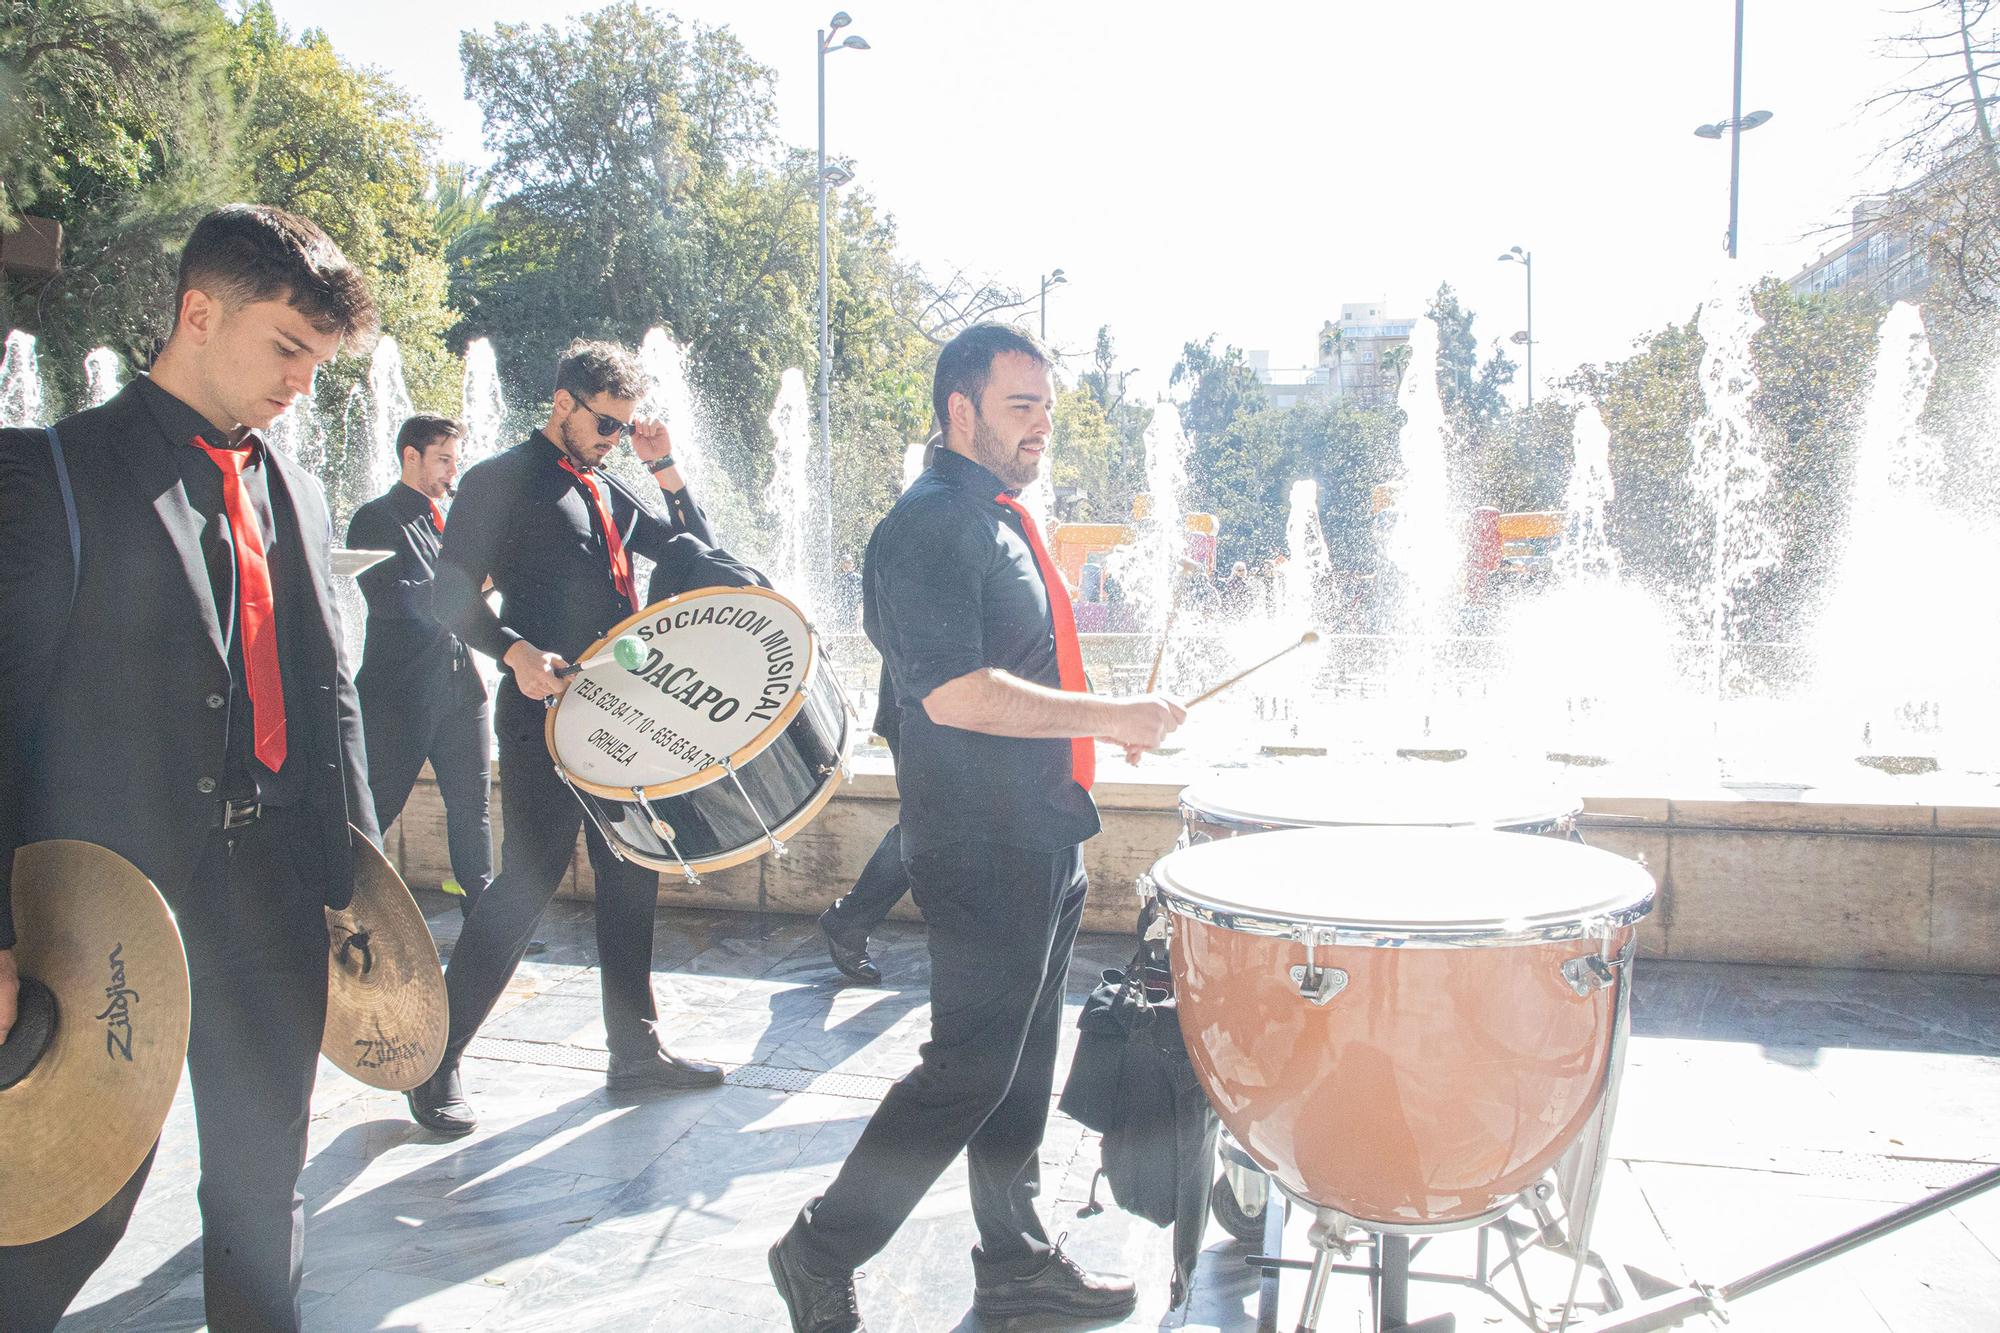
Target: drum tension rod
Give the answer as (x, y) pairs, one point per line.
(591, 810)
(666, 832)
(1316, 983)
(777, 848)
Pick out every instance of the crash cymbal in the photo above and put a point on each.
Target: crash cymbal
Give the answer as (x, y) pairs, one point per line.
(90, 1070)
(385, 1004)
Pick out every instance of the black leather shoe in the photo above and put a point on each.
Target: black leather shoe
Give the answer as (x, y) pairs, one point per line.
(849, 951)
(818, 1303)
(439, 1105)
(660, 1070)
(1062, 1287)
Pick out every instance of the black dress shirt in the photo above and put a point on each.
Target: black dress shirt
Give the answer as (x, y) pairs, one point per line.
(244, 775)
(951, 587)
(526, 522)
(407, 644)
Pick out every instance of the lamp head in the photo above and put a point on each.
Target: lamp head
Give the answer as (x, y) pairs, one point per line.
(1056, 278)
(1755, 118)
(1520, 336)
(837, 175)
(838, 21)
(857, 42)
(1708, 131)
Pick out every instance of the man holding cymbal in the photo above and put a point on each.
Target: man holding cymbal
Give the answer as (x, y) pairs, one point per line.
(556, 534)
(176, 692)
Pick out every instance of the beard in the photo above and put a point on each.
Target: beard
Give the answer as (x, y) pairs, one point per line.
(582, 450)
(1003, 460)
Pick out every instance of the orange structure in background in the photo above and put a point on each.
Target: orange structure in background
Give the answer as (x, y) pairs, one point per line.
(1075, 544)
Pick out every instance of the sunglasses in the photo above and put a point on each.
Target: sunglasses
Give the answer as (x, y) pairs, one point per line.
(607, 425)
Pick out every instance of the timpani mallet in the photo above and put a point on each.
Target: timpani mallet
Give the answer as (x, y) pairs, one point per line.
(1310, 636)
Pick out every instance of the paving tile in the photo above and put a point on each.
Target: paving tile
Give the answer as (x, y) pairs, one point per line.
(1762, 1108)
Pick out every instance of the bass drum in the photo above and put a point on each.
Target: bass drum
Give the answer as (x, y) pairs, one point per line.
(726, 740)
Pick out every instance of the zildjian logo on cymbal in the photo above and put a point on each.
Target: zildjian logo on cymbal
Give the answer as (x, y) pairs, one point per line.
(382, 1049)
(117, 1015)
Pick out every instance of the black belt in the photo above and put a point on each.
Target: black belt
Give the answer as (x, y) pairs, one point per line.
(236, 814)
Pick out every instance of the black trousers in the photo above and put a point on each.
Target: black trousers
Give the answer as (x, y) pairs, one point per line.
(449, 727)
(540, 817)
(255, 934)
(884, 881)
(1002, 923)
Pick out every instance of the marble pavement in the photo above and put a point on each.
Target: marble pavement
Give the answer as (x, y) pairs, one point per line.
(1763, 1108)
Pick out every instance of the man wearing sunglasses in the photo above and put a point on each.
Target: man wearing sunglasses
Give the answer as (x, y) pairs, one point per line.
(557, 535)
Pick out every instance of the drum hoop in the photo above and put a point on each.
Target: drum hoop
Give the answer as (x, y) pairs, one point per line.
(756, 848)
(736, 758)
(1404, 935)
(1551, 818)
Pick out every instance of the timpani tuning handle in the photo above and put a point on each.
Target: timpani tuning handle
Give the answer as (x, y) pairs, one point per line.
(1318, 984)
(1589, 974)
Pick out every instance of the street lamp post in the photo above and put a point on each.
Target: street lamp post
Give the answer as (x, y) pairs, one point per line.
(1055, 279)
(825, 178)
(1735, 125)
(1526, 259)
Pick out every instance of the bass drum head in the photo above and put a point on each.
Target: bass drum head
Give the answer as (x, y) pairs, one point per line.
(1301, 795)
(723, 675)
(1402, 886)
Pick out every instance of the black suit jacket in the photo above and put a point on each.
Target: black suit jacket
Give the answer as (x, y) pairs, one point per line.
(109, 712)
(524, 521)
(410, 654)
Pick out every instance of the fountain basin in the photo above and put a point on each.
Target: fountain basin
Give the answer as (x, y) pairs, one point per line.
(1882, 873)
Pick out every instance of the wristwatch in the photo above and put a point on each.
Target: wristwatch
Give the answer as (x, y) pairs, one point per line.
(660, 464)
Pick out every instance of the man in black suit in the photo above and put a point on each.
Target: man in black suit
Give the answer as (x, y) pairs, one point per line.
(556, 534)
(178, 695)
(421, 698)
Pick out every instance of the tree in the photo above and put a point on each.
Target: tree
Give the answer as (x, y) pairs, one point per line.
(116, 120)
(346, 148)
(1949, 211)
(1472, 391)
(1220, 386)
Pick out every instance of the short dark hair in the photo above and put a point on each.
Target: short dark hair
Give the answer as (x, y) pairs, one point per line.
(423, 430)
(966, 363)
(588, 367)
(243, 253)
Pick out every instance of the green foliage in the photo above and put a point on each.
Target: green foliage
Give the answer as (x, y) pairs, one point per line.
(1221, 386)
(116, 120)
(346, 148)
(649, 189)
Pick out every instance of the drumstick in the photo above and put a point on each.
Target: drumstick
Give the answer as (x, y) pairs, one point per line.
(625, 650)
(1310, 636)
(1186, 566)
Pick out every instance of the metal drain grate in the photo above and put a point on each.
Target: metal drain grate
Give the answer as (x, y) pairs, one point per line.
(558, 1054)
(865, 1087)
(774, 1078)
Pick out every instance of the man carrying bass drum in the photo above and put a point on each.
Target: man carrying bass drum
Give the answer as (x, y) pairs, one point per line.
(556, 533)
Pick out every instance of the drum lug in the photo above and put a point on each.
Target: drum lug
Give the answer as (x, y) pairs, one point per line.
(1318, 984)
(1589, 974)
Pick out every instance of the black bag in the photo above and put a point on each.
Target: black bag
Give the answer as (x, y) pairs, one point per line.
(1132, 1082)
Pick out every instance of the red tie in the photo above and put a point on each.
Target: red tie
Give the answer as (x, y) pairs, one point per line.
(437, 516)
(257, 627)
(1069, 653)
(621, 568)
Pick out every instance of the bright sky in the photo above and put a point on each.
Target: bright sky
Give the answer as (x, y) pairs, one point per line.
(1243, 169)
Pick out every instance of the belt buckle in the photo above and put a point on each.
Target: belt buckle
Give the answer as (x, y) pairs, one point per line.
(237, 813)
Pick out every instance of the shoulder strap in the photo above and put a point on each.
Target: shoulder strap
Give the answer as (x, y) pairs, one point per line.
(69, 515)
